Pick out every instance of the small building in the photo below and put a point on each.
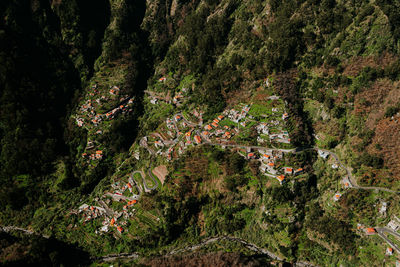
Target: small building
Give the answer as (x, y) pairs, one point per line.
(337, 196)
(251, 155)
(281, 178)
(285, 116)
(197, 139)
(162, 79)
(323, 154)
(383, 208)
(208, 127)
(389, 251)
(298, 171)
(394, 225)
(288, 170)
(335, 166)
(178, 118)
(370, 231)
(214, 124)
(153, 101)
(270, 167)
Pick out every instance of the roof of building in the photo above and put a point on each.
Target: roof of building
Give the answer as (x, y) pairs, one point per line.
(281, 177)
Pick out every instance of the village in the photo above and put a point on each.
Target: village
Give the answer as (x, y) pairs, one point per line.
(100, 106)
(173, 137)
(186, 129)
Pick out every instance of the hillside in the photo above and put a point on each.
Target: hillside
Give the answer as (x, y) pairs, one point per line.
(201, 132)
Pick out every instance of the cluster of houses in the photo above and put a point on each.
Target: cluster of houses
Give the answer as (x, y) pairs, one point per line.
(97, 155)
(269, 167)
(91, 212)
(235, 115)
(89, 118)
(177, 100)
(113, 218)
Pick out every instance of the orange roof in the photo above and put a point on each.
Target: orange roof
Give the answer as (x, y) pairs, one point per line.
(197, 138)
(266, 156)
(208, 127)
(220, 117)
(226, 127)
(288, 169)
(271, 164)
(112, 222)
(216, 120)
(129, 185)
(390, 249)
(370, 230)
(281, 177)
(205, 133)
(299, 169)
(250, 154)
(346, 184)
(188, 133)
(337, 196)
(99, 152)
(214, 124)
(119, 228)
(132, 202)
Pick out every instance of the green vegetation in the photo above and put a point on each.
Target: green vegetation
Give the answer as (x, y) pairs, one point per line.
(333, 65)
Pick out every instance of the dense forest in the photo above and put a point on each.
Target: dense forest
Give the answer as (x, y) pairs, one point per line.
(334, 64)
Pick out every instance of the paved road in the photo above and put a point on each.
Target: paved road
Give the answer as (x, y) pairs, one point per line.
(381, 232)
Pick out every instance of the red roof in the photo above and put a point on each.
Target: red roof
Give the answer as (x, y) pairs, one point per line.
(371, 230)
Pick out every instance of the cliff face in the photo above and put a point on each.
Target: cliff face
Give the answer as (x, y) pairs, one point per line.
(77, 78)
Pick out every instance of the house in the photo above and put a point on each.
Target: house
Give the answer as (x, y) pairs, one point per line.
(389, 251)
(251, 155)
(178, 118)
(153, 101)
(188, 134)
(112, 222)
(335, 166)
(270, 167)
(370, 231)
(227, 135)
(84, 155)
(119, 228)
(205, 133)
(323, 154)
(288, 170)
(266, 157)
(99, 154)
(197, 139)
(383, 208)
(281, 178)
(159, 144)
(208, 127)
(214, 124)
(162, 79)
(220, 117)
(285, 116)
(394, 225)
(298, 171)
(337, 196)
(216, 120)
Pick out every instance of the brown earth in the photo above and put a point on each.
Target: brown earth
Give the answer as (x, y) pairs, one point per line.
(356, 64)
(161, 172)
